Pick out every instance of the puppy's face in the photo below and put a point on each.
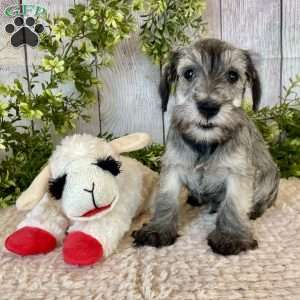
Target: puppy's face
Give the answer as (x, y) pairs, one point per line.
(210, 78)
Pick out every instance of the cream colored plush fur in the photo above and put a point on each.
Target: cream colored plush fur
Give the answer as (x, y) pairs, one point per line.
(130, 192)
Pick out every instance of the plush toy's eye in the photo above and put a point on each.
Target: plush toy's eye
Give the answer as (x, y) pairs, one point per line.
(109, 164)
(56, 186)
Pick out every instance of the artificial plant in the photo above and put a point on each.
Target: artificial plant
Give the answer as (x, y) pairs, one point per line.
(73, 47)
(170, 23)
(280, 127)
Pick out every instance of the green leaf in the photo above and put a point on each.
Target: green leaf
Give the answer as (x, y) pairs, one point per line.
(63, 87)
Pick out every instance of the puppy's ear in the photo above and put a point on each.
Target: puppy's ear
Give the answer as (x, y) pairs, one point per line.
(254, 81)
(168, 77)
(56, 186)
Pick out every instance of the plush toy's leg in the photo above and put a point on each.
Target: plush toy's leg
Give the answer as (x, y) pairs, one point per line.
(81, 249)
(40, 231)
(88, 242)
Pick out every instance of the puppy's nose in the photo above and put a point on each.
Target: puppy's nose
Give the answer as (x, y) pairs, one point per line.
(208, 108)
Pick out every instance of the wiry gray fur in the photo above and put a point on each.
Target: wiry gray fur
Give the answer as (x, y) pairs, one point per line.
(213, 148)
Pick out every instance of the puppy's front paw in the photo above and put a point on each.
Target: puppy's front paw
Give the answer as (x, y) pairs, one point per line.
(155, 236)
(229, 244)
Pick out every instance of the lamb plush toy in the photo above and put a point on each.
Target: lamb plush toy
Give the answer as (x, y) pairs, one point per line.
(89, 191)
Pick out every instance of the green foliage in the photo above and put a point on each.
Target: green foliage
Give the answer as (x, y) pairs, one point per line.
(280, 127)
(73, 48)
(149, 156)
(29, 151)
(168, 23)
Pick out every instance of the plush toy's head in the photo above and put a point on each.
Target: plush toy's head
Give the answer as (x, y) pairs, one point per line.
(83, 173)
(87, 188)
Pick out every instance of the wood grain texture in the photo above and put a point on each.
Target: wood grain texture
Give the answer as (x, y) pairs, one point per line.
(290, 68)
(290, 40)
(255, 25)
(252, 24)
(269, 70)
(291, 28)
(10, 58)
(212, 18)
(130, 100)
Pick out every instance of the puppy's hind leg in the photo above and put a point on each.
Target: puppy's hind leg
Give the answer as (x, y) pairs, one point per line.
(265, 192)
(233, 233)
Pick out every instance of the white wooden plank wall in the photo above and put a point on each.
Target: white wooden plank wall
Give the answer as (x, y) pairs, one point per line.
(212, 17)
(130, 96)
(255, 25)
(129, 100)
(12, 60)
(290, 40)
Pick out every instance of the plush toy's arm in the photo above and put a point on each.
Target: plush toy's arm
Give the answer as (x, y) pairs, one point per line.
(35, 191)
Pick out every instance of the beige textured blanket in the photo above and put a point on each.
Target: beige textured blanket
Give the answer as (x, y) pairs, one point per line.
(187, 270)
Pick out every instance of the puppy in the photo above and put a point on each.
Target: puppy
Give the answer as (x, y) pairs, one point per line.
(213, 149)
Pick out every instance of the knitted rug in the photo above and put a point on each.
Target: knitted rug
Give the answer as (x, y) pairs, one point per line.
(186, 270)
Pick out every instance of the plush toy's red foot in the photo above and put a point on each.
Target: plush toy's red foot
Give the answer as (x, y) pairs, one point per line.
(81, 249)
(30, 241)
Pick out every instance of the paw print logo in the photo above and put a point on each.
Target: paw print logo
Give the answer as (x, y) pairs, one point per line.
(24, 31)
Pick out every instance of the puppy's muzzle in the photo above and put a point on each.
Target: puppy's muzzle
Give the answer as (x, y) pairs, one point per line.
(208, 108)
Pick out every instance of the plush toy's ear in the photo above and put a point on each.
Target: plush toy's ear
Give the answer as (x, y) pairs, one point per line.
(56, 186)
(131, 142)
(254, 81)
(109, 164)
(35, 192)
(168, 77)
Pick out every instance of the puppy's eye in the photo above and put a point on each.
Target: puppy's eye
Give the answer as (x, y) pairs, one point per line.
(189, 74)
(232, 76)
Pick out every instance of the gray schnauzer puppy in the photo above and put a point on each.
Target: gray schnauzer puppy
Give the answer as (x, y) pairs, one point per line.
(213, 149)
